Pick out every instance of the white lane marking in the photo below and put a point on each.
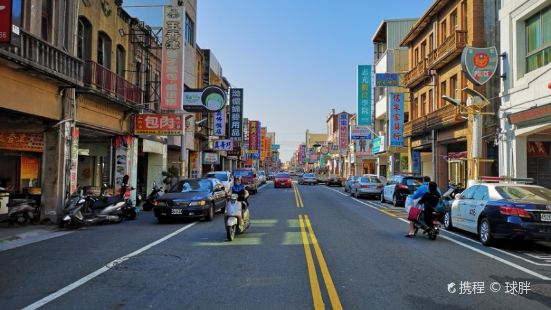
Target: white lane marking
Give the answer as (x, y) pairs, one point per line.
(103, 269)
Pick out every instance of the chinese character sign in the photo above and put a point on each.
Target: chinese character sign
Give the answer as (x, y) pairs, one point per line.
(173, 58)
(268, 147)
(220, 123)
(416, 162)
(386, 79)
(396, 119)
(343, 132)
(158, 124)
(223, 145)
(302, 153)
(236, 112)
(364, 95)
(254, 127)
(5, 21)
(263, 132)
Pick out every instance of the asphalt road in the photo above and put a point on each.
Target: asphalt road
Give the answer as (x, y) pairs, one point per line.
(308, 247)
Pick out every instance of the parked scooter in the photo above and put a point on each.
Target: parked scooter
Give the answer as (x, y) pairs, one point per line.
(234, 210)
(21, 211)
(152, 198)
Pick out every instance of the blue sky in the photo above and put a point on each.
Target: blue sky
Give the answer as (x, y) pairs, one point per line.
(295, 59)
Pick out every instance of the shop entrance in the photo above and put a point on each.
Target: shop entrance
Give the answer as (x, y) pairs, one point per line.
(539, 162)
(95, 158)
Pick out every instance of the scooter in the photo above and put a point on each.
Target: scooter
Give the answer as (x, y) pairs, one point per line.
(152, 198)
(21, 211)
(234, 208)
(433, 231)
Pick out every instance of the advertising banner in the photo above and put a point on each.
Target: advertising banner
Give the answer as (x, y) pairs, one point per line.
(5, 21)
(363, 147)
(223, 145)
(268, 147)
(359, 132)
(396, 119)
(236, 113)
(27, 142)
(378, 145)
(158, 124)
(364, 95)
(386, 79)
(263, 132)
(211, 158)
(254, 139)
(30, 166)
(123, 161)
(302, 153)
(73, 175)
(220, 123)
(343, 132)
(173, 58)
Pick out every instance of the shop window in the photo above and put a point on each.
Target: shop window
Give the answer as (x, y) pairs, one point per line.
(538, 40)
(104, 50)
(121, 61)
(84, 38)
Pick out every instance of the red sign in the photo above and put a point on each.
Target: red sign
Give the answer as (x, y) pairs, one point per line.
(158, 124)
(29, 142)
(5, 21)
(253, 137)
(173, 58)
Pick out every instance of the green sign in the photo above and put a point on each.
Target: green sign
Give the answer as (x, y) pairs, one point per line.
(378, 145)
(480, 64)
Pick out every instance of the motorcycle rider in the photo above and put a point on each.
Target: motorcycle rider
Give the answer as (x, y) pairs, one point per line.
(233, 208)
(242, 194)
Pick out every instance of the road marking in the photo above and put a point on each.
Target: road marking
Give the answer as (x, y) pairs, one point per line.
(29, 237)
(102, 270)
(312, 275)
(331, 291)
(298, 198)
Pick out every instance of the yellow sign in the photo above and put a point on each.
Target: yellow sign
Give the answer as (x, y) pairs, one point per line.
(29, 168)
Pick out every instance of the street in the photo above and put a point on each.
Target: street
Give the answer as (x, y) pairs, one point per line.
(308, 247)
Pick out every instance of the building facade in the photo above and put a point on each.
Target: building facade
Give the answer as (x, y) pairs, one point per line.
(525, 112)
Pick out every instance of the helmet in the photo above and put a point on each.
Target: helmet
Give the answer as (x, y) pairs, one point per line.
(233, 197)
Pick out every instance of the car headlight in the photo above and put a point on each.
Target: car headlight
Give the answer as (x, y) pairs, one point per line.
(198, 203)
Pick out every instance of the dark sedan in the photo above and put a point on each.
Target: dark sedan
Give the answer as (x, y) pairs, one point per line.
(192, 198)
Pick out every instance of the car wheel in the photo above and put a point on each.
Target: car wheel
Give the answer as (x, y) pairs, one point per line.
(210, 215)
(448, 221)
(395, 201)
(484, 232)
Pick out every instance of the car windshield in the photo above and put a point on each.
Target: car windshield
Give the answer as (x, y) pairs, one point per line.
(308, 175)
(413, 182)
(525, 192)
(187, 186)
(243, 173)
(282, 175)
(370, 179)
(220, 176)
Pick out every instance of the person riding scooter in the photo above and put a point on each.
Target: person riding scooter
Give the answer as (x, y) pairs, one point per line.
(234, 208)
(242, 194)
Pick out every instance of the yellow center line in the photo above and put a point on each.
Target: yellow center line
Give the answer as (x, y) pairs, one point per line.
(297, 197)
(389, 213)
(331, 291)
(314, 283)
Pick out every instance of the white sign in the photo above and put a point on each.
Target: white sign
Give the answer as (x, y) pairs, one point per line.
(220, 123)
(223, 145)
(359, 132)
(173, 58)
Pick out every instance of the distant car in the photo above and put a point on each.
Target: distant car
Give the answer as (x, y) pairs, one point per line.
(262, 177)
(334, 180)
(292, 173)
(191, 198)
(270, 176)
(367, 185)
(308, 179)
(348, 183)
(249, 178)
(223, 176)
(399, 187)
(502, 211)
(282, 180)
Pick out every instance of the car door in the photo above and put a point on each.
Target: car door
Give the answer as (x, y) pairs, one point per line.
(389, 188)
(462, 207)
(480, 198)
(218, 194)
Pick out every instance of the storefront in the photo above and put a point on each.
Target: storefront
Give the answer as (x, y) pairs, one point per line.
(152, 161)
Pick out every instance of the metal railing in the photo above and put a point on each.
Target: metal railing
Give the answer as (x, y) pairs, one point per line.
(108, 81)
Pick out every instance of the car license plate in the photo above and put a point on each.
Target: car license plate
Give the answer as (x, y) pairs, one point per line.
(176, 211)
(545, 217)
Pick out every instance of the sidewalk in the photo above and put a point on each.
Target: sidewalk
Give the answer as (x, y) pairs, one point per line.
(16, 236)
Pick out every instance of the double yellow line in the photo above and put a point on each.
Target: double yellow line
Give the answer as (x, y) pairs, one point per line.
(298, 199)
(307, 231)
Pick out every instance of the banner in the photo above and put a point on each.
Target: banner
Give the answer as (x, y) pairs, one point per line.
(254, 138)
(343, 132)
(364, 95)
(263, 132)
(26, 142)
(73, 175)
(359, 132)
(363, 147)
(30, 167)
(302, 153)
(236, 113)
(173, 58)
(223, 145)
(123, 161)
(158, 124)
(396, 119)
(220, 123)
(386, 79)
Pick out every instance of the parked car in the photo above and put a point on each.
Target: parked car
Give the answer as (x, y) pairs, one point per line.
(191, 198)
(270, 176)
(334, 180)
(308, 179)
(262, 177)
(249, 178)
(367, 185)
(502, 211)
(399, 187)
(282, 179)
(223, 176)
(348, 183)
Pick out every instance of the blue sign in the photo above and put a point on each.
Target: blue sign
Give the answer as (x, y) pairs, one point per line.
(416, 162)
(364, 95)
(255, 155)
(275, 147)
(386, 79)
(396, 119)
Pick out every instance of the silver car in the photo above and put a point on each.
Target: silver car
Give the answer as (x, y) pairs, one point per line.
(308, 179)
(348, 184)
(367, 185)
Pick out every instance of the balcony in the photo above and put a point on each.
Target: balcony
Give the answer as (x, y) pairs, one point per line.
(449, 49)
(446, 116)
(106, 81)
(44, 58)
(417, 74)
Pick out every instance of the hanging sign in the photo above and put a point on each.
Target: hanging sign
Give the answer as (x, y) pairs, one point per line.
(364, 95)
(220, 123)
(254, 139)
(396, 119)
(173, 58)
(223, 145)
(480, 64)
(343, 132)
(209, 99)
(236, 113)
(158, 124)
(359, 132)
(386, 79)
(211, 158)
(263, 132)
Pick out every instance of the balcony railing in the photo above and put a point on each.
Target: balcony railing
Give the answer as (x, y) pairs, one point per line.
(45, 58)
(447, 115)
(417, 74)
(449, 49)
(108, 81)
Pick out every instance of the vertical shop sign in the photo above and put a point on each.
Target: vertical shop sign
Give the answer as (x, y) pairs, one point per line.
(220, 123)
(343, 132)
(123, 161)
(416, 162)
(263, 132)
(236, 113)
(396, 119)
(74, 160)
(5, 21)
(364, 95)
(253, 137)
(173, 58)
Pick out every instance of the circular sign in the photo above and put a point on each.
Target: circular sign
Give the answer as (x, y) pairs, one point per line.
(481, 60)
(213, 98)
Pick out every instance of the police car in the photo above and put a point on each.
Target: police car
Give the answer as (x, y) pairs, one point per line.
(495, 209)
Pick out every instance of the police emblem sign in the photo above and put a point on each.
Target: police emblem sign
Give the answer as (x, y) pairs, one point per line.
(480, 64)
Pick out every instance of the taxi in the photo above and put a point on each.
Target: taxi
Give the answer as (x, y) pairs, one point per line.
(499, 208)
